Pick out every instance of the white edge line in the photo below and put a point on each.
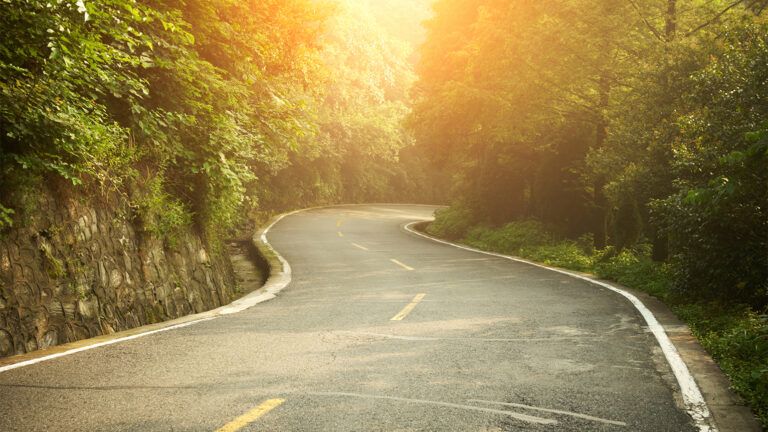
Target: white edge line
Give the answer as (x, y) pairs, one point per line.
(693, 400)
(99, 344)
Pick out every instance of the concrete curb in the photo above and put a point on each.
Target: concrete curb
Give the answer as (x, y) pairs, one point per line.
(279, 272)
(715, 407)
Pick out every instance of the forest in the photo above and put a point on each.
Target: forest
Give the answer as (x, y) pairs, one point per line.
(628, 139)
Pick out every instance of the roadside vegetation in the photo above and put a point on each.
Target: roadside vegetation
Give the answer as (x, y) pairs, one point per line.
(624, 139)
(206, 113)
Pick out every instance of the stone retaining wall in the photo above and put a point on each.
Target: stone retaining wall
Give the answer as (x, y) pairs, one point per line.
(78, 269)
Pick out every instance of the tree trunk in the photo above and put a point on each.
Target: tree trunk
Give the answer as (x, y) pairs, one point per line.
(671, 20)
(660, 242)
(600, 202)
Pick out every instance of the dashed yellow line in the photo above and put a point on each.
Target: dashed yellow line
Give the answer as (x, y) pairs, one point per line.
(409, 268)
(360, 247)
(251, 416)
(408, 308)
(341, 234)
(339, 222)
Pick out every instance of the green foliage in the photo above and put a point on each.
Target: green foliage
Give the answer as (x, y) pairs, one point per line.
(52, 75)
(6, 217)
(635, 268)
(452, 222)
(737, 337)
(215, 109)
(162, 215)
(360, 105)
(718, 219)
(512, 238)
(566, 254)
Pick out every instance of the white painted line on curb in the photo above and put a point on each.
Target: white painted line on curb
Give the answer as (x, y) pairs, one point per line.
(693, 400)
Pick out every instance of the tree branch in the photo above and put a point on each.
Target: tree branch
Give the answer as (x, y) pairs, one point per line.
(715, 18)
(647, 23)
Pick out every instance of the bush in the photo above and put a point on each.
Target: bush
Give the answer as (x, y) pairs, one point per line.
(737, 338)
(451, 223)
(162, 215)
(565, 254)
(635, 268)
(511, 238)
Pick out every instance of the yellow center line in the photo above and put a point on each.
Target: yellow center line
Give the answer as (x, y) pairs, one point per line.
(360, 247)
(251, 416)
(340, 234)
(408, 308)
(401, 264)
(339, 222)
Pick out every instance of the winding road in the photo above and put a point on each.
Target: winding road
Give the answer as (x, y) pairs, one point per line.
(379, 330)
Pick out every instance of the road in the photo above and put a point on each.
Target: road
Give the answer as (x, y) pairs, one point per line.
(379, 330)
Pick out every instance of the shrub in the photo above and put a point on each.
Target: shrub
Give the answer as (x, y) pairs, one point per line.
(162, 215)
(566, 254)
(510, 238)
(737, 338)
(635, 268)
(451, 223)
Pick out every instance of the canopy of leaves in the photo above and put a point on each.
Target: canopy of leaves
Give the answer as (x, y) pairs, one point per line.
(212, 108)
(634, 122)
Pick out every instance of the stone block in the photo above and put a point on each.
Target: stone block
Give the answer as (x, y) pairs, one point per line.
(69, 310)
(88, 308)
(202, 256)
(56, 309)
(31, 345)
(115, 278)
(5, 259)
(49, 339)
(103, 275)
(6, 343)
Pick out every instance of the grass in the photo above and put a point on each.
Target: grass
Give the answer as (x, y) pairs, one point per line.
(735, 335)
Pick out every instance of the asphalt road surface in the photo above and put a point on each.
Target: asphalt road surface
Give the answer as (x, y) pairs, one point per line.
(379, 330)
